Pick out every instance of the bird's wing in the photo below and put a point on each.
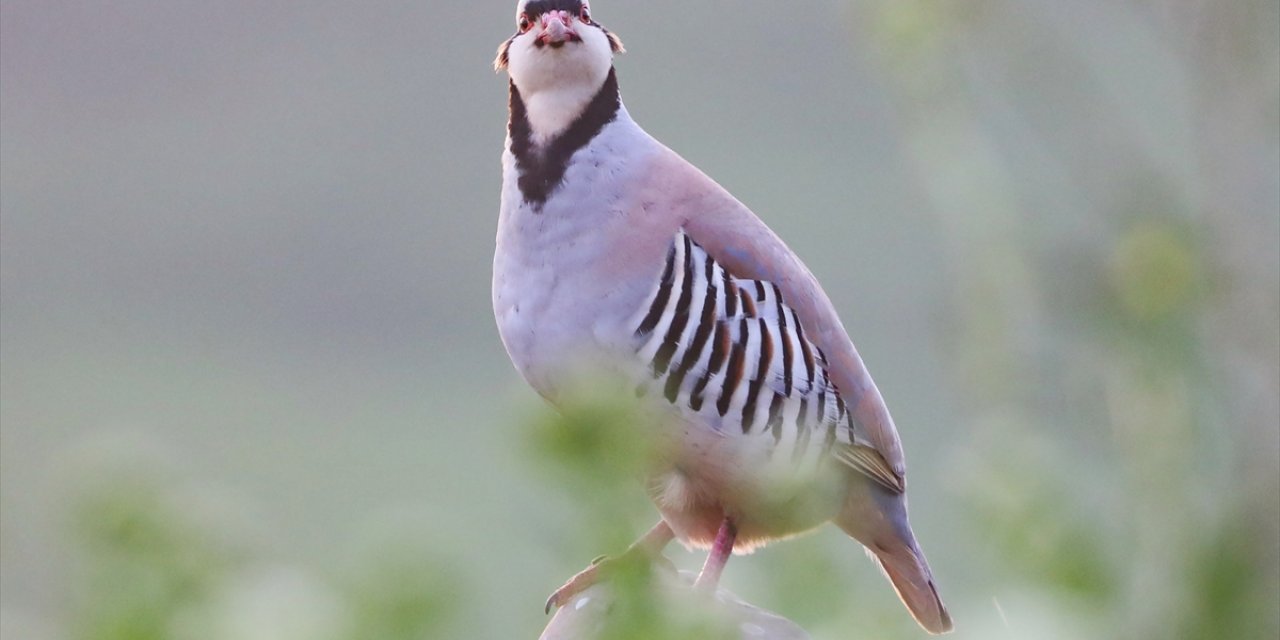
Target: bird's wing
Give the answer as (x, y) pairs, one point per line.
(748, 250)
(732, 350)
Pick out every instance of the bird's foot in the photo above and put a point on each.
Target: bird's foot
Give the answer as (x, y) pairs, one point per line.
(600, 569)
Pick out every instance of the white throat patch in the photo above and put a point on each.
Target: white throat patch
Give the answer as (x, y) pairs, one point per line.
(558, 83)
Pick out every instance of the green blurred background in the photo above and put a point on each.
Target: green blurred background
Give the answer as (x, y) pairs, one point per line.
(251, 387)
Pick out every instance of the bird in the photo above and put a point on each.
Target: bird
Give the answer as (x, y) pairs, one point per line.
(612, 249)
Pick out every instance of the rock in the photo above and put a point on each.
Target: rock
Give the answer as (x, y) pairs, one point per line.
(587, 615)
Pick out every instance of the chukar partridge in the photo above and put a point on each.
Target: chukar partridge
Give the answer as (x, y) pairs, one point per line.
(611, 248)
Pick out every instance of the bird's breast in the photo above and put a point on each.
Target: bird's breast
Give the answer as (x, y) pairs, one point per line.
(562, 295)
(544, 302)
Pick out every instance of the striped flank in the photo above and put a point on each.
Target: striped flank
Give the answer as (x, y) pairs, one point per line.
(731, 348)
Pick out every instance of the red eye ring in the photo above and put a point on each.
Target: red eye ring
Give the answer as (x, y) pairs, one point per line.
(523, 23)
(584, 14)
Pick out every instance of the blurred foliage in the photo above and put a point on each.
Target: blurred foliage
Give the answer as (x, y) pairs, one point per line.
(1023, 507)
(152, 566)
(147, 564)
(1093, 183)
(1138, 526)
(401, 590)
(599, 446)
(1156, 272)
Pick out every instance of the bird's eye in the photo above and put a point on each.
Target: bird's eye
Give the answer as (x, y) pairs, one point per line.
(524, 23)
(584, 14)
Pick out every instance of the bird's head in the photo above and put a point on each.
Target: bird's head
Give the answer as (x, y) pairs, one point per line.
(557, 46)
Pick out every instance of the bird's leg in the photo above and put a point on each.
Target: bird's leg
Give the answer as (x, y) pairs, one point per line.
(721, 549)
(650, 545)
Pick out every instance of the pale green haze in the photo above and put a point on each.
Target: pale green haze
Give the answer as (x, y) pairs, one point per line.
(251, 387)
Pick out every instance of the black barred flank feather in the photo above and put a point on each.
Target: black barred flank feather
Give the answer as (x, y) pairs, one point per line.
(743, 354)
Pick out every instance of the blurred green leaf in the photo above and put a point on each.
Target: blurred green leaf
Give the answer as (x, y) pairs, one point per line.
(1234, 595)
(146, 561)
(402, 591)
(1156, 272)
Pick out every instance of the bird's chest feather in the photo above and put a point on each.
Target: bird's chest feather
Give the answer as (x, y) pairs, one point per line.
(560, 300)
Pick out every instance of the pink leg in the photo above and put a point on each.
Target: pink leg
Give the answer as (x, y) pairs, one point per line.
(650, 544)
(719, 556)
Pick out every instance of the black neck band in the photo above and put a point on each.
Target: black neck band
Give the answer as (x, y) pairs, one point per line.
(542, 168)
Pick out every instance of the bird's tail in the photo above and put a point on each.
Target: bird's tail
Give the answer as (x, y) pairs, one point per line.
(878, 519)
(909, 572)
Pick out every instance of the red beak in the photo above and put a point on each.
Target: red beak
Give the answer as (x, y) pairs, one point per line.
(557, 29)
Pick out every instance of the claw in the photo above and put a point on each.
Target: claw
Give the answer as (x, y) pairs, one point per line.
(577, 584)
(649, 546)
(597, 570)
